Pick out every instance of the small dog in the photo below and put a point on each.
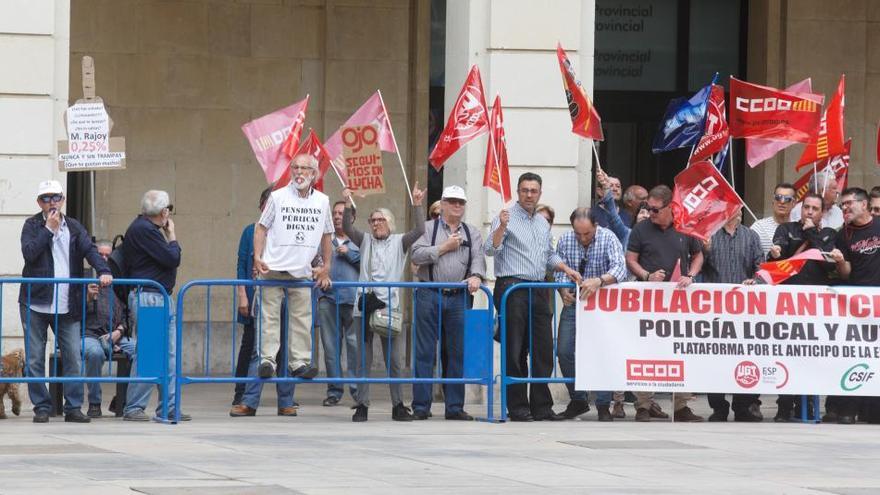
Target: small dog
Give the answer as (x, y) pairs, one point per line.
(13, 365)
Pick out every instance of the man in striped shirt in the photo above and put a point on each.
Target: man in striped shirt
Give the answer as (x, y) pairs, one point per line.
(520, 242)
(783, 202)
(599, 257)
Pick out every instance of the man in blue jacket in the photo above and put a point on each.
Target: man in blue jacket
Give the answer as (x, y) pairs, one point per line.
(54, 246)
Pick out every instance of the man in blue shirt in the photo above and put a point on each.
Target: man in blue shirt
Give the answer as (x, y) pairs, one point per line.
(335, 308)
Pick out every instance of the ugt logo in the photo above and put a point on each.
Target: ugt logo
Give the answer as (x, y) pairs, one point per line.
(747, 374)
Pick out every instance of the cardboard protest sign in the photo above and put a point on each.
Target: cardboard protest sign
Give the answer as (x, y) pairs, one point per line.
(363, 159)
(89, 146)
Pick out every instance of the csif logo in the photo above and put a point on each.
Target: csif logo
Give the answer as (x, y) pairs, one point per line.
(856, 376)
(773, 104)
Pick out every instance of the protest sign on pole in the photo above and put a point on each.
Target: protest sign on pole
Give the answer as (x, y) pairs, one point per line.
(363, 159)
(727, 338)
(88, 145)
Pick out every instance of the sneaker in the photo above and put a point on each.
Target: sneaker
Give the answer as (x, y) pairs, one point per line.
(575, 408)
(604, 414)
(401, 413)
(618, 411)
(41, 417)
(76, 416)
(267, 369)
(94, 411)
(136, 415)
(685, 415)
(330, 401)
(305, 371)
(183, 417)
(241, 411)
(643, 415)
(360, 414)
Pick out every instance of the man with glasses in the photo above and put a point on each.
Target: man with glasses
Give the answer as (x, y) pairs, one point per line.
(825, 185)
(783, 202)
(599, 257)
(521, 244)
(53, 246)
(654, 251)
(449, 251)
(857, 256)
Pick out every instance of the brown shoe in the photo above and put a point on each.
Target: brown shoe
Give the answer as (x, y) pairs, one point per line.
(656, 412)
(643, 415)
(242, 410)
(287, 411)
(618, 411)
(685, 415)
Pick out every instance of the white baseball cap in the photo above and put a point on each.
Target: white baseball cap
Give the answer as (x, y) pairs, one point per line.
(49, 187)
(453, 192)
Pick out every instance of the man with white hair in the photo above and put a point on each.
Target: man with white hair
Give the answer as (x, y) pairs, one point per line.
(295, 223)
(151, 252)
(53, 246)
(824, 184)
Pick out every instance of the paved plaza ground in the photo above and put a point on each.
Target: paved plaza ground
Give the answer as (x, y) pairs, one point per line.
(323, 452)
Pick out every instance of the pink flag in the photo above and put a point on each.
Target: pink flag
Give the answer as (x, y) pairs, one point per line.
(758, 150)
(371, 112)
(268, 133)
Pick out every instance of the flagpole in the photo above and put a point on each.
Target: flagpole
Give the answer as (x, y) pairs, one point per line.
(691, 155)
(730, 144)
(497, 167)
(338, 176)
(396, 148)
(732, 173)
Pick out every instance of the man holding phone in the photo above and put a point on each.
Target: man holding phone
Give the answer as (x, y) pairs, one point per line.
(53, 246)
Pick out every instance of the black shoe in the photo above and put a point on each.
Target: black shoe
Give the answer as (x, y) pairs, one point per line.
(830, 417)
(401, 413)
(112, 406)
(604, 413)
(41, 416)
(76, 416)
(750, 415)
(521, 418)
(419, 415)
(360, 414)
(330, 401)
(846, 420)
(548, 415)
(718, 416)
(266, 370)
(460, 416)
(94, 411)
(576, 408)
(305, 371)
(782, 416)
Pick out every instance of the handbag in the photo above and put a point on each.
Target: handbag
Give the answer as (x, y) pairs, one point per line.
(381, 319)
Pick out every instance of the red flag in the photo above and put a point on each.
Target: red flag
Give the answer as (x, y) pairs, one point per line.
(702, 200)
(716, 133)
(268, 136)
(761, 111)
(496, 155)
(468, 120)
(758, 150)
(776, 272)
(585, 119)
(311, 146)
(828, 138)
(838, 164)
(372, 112)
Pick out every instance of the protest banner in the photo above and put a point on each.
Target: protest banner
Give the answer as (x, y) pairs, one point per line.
(363, 159)
(726, 338)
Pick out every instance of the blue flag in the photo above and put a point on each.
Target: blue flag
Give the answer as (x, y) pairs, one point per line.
(683, 123)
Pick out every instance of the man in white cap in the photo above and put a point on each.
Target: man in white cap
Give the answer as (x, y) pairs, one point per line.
(449, 251)
(54, 246)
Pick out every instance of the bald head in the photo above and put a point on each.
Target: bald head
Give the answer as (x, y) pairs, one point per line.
(634, 196)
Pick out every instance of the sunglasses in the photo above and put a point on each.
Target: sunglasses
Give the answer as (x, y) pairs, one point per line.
(50, 198)
(655, 210)
(783, 198)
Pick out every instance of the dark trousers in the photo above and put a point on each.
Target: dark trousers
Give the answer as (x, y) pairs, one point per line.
(538, 401)
(741, 402)
(244, 359)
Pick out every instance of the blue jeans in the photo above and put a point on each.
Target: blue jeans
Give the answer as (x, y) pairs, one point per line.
(565, 348)
(97, 352)
(253, 390)
(331, 337)
(439, 317)
(67, 333)
(139, 393)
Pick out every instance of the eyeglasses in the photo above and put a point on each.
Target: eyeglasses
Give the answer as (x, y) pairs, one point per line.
(651, 209)
(376, 220)
(455, 201)
(300, 168)
(170, 208)
(53, 198)
(783, 198)
(849, 202)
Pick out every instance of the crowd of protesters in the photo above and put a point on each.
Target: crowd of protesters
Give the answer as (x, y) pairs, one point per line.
(303, 243)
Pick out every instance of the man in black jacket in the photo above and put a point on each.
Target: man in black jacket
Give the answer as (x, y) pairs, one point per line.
(54, 246)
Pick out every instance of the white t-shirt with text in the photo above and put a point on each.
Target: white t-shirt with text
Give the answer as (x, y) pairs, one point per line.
(294, 227)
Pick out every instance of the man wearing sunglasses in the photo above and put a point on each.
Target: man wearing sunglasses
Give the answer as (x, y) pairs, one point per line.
(783, 202)
(53, 246)
(654, 250)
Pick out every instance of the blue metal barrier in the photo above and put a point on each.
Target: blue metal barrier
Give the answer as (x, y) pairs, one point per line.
(478, 348)
(152, 348)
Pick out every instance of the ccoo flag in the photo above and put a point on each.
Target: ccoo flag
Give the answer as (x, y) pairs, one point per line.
(468, 120)
(585, 119)
(764, 112)
(497, 173)
(759, 150)
(828, 139)
(270, 134)
(702, 200)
